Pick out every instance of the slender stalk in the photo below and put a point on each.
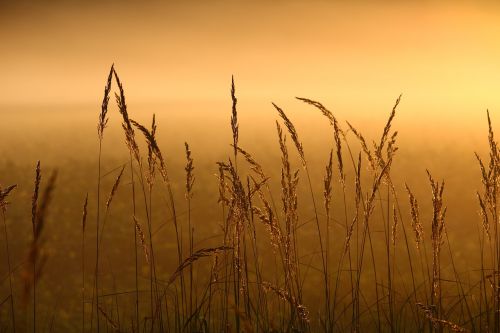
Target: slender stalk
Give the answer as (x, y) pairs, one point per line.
(9, 267)
(135, 247)
(96, 274)
(84, 220)
(293, 133)
(189, 189)
(151, 140)
(34, 220)
(103, 121)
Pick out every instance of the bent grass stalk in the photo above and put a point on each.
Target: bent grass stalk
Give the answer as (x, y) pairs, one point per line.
(152, 143)
(298, 145)
(103, 121)
(133, 151)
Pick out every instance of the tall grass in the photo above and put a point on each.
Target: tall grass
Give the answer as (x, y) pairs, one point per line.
(36, 257)
(360, 262)
(102, 123)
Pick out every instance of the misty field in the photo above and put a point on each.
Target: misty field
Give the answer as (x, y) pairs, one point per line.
(116, 229)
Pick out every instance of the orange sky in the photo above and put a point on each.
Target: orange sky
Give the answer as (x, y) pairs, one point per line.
(443, 56)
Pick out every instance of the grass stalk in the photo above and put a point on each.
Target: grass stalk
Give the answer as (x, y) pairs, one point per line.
(3, 208)
(84, 222)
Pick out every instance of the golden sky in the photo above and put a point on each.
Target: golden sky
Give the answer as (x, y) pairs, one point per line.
(443, 56)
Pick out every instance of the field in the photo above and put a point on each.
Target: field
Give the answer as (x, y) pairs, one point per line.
(305, 222)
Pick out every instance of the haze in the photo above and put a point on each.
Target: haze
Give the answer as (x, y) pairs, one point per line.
(442, 55)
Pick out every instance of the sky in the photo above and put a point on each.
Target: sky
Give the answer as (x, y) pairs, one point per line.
(355, 57)
(438, 54)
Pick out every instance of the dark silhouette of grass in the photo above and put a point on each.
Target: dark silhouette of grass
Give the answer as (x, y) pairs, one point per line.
(352, 278)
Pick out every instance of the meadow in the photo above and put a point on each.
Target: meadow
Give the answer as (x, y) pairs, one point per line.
(128, 226)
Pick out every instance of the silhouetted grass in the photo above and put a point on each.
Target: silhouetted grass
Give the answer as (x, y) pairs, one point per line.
(349, 265)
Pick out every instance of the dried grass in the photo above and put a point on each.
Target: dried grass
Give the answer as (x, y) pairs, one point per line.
(202, 253)
(103, 117)
(140, 233)
(114, 188)
(418, 230)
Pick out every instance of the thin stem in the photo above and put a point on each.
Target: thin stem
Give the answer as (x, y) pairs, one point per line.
(135, 247)
(97, 234)
(13, 316)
